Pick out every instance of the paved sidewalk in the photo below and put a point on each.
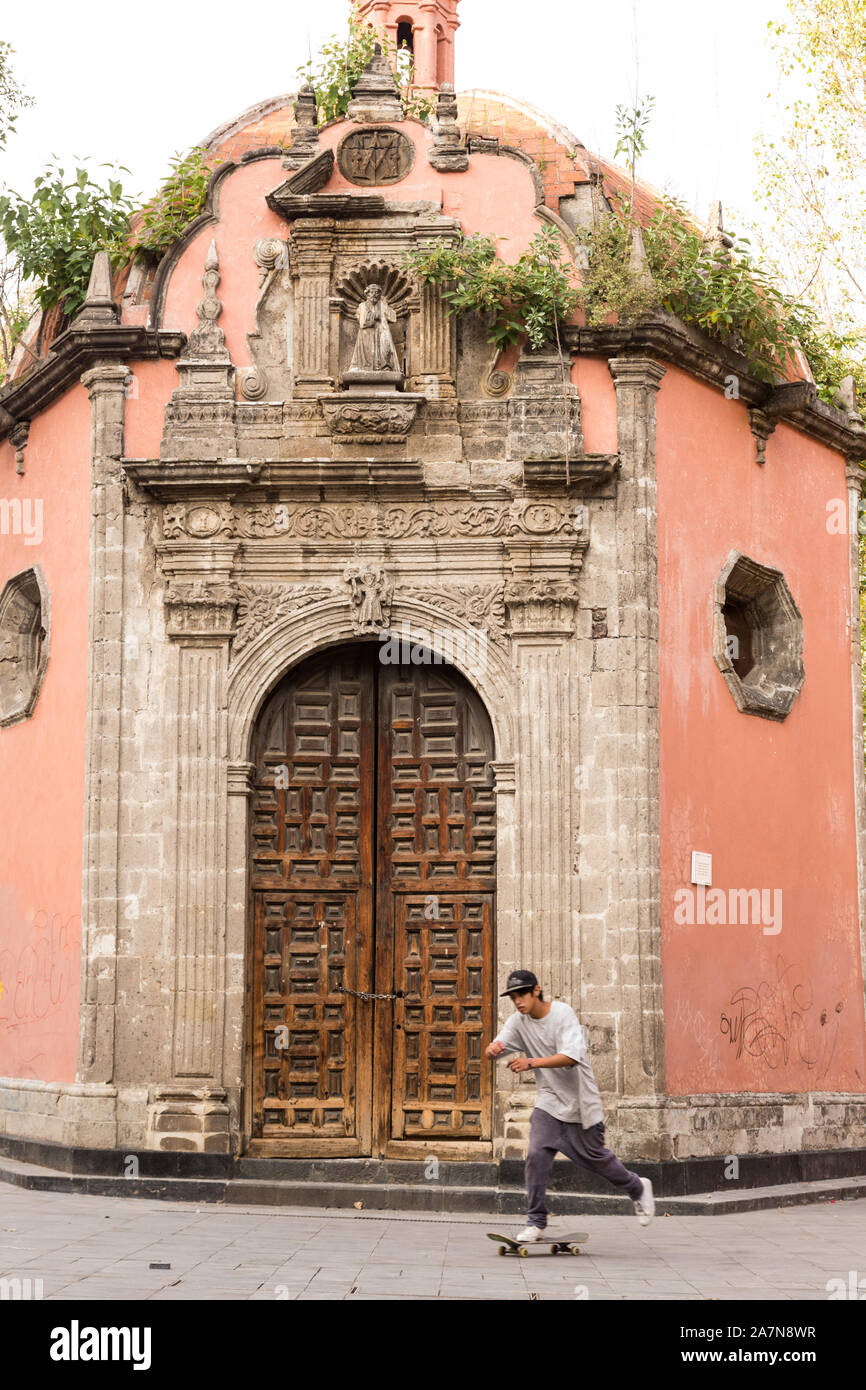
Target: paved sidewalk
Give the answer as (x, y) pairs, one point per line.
(93, 1247)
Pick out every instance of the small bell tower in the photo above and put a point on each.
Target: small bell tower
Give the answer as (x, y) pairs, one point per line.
(427, 27)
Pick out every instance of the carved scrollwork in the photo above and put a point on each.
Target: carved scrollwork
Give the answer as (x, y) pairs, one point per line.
(260, 606)
(482, 606)
(398, 521)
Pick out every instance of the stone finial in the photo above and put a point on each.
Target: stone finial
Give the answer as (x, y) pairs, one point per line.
(637, 259)
(715, 238)
(305, 134)
(99, 308)
(846, 399)
(375, 96)
(207, 338)
(447, 154)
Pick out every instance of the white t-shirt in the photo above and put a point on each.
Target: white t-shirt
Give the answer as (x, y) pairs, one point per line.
(568, 1093)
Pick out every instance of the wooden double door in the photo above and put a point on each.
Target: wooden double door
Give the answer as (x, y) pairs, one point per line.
(372, 872)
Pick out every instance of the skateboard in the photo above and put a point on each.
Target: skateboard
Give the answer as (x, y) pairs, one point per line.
(556, 1245)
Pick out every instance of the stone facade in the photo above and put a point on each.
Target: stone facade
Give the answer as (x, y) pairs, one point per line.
(299, 503)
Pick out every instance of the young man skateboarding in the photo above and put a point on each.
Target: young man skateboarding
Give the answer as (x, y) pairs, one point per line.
(568, 1117)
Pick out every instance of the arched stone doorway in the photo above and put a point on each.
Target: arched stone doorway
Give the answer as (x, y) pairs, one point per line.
(372, 870)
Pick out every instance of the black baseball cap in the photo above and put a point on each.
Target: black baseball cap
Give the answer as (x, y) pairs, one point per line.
(519, 979)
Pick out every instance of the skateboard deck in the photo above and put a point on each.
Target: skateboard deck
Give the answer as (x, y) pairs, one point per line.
(556, 1245)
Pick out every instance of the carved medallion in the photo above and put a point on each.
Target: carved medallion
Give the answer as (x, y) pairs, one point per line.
(376, 156)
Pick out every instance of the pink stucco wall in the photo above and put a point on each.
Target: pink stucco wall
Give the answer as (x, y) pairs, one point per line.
(42, 761)
(773, 803)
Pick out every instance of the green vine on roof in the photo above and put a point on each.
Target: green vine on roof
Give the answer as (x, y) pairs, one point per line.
(530, 298)
(181, 198)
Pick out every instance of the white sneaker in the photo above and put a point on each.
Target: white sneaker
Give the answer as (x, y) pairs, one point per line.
(530, 1235)
(645, 1206)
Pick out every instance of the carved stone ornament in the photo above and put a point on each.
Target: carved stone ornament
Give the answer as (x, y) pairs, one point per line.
(482, 606)
(542, 605)
(369, 420)
(369, 597)
(200, 608)
(207, 338)
(260, 606)
(201, 521)
(271, 255)
(24, 637)
(448, 154)
(371, 158)
(305, 133)
(392, 521)
(375, 96)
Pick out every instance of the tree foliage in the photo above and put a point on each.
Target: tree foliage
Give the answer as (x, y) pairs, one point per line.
(54, 235)
(13, 98)
(813, 173)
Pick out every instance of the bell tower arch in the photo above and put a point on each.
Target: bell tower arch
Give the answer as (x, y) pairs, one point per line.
(427, 27)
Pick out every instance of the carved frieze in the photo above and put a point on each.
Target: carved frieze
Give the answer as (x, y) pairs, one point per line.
(260, 606)
(200, 608)
(390, 521)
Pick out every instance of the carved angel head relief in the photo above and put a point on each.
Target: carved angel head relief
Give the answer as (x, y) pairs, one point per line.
(24, 633)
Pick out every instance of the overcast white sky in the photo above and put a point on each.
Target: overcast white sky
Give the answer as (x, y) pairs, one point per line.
(137, 83)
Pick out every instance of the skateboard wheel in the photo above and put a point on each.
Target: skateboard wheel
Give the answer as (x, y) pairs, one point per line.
(575, 1249)
(503, 1249)
(522, 1250)
(554, 1249)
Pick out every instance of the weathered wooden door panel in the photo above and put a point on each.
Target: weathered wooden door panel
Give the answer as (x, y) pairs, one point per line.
(371, 778)
(437, 835)
(312, 887)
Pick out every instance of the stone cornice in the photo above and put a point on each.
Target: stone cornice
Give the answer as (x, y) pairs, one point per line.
(669, 339)
(71, 355)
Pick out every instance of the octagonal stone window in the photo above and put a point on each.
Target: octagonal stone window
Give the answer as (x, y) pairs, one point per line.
(758, 638)
(24, 632)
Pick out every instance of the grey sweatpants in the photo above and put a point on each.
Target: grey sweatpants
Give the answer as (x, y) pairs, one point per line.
(549, 1136)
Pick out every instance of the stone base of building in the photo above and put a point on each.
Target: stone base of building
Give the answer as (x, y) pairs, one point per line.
(661, 1128)
(203, 1120)
(69, 1113)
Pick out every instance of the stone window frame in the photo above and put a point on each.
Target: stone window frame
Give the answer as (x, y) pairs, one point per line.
(41, 632)
(777, 675)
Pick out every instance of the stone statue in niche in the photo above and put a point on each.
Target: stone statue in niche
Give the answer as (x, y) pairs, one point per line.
(369, 597)
(374, 348)
(374, 361)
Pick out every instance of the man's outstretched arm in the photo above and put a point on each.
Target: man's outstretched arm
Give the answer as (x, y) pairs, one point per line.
(524, 1063)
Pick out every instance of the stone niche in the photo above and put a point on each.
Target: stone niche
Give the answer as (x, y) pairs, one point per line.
(24, 633)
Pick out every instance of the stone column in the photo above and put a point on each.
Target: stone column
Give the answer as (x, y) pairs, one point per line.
(425, 47)
(854, 477)
(106, 386)
(541, 613)
(191, 1112)
(433, 345)
(638, 906)
(312, 260)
